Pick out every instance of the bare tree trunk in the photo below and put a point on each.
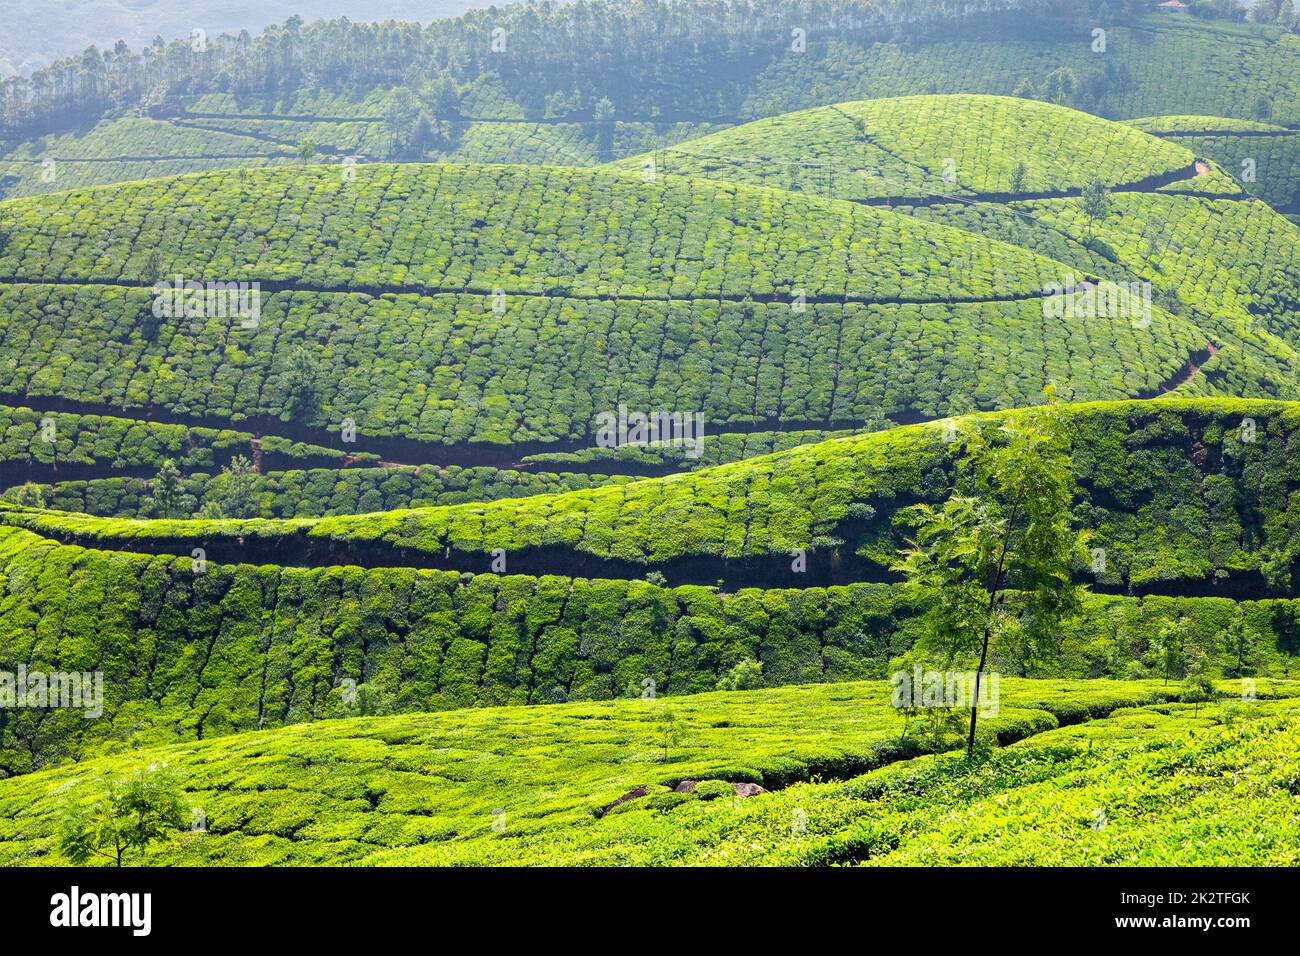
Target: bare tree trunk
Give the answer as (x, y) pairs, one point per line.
(975, 702)
(994, 588)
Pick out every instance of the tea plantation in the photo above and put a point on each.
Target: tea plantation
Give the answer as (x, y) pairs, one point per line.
(927, 146)
(1174, 782)
(310, 341)
(208, 627)
(808, 312)
(1264, 157)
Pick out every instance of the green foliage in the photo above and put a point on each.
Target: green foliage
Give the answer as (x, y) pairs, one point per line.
(124, 816)
(421, 789)
(1242, 646)
(1019, 177)
(1096, 204)
(1199, 686)
(746, 675)
(234, 492)
(26, 495)
(1170, 649)
(298, 380)
(669, 730)
(994, 563)
(1060, 85)
(166, 500)
(713, 789)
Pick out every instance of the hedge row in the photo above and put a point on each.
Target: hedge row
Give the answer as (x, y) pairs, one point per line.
(33, 437)
(718, 449)
(516, 228)
(236, 648)
(450, 369)
(1181, 493)
(325, 491)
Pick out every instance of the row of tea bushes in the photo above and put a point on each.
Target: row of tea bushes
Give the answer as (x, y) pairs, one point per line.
(450, 369)
(319, 492)
(1195, 495)
(30, 436)
(241, 647)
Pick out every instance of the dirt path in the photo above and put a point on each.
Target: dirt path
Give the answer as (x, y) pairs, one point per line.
(1191, 369)
(825, 567)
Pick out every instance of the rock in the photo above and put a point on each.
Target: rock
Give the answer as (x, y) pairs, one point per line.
(630, 795)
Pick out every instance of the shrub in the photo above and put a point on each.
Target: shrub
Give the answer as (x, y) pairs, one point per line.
(747, 675)
(713, 789)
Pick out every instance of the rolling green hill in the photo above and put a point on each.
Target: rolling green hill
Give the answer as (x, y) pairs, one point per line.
(1170, 209)
(928, 146)
(481, 304)
(1265, 157)
(453, 228)
(1245, 294)
(666, 72)
(524, 786)
(1191, 502)
(396, 603)
(1209, 458)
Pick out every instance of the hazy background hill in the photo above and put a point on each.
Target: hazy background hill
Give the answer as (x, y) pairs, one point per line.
(39, 31)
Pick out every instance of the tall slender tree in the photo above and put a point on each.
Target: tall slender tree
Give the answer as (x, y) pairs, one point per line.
(997, 557)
